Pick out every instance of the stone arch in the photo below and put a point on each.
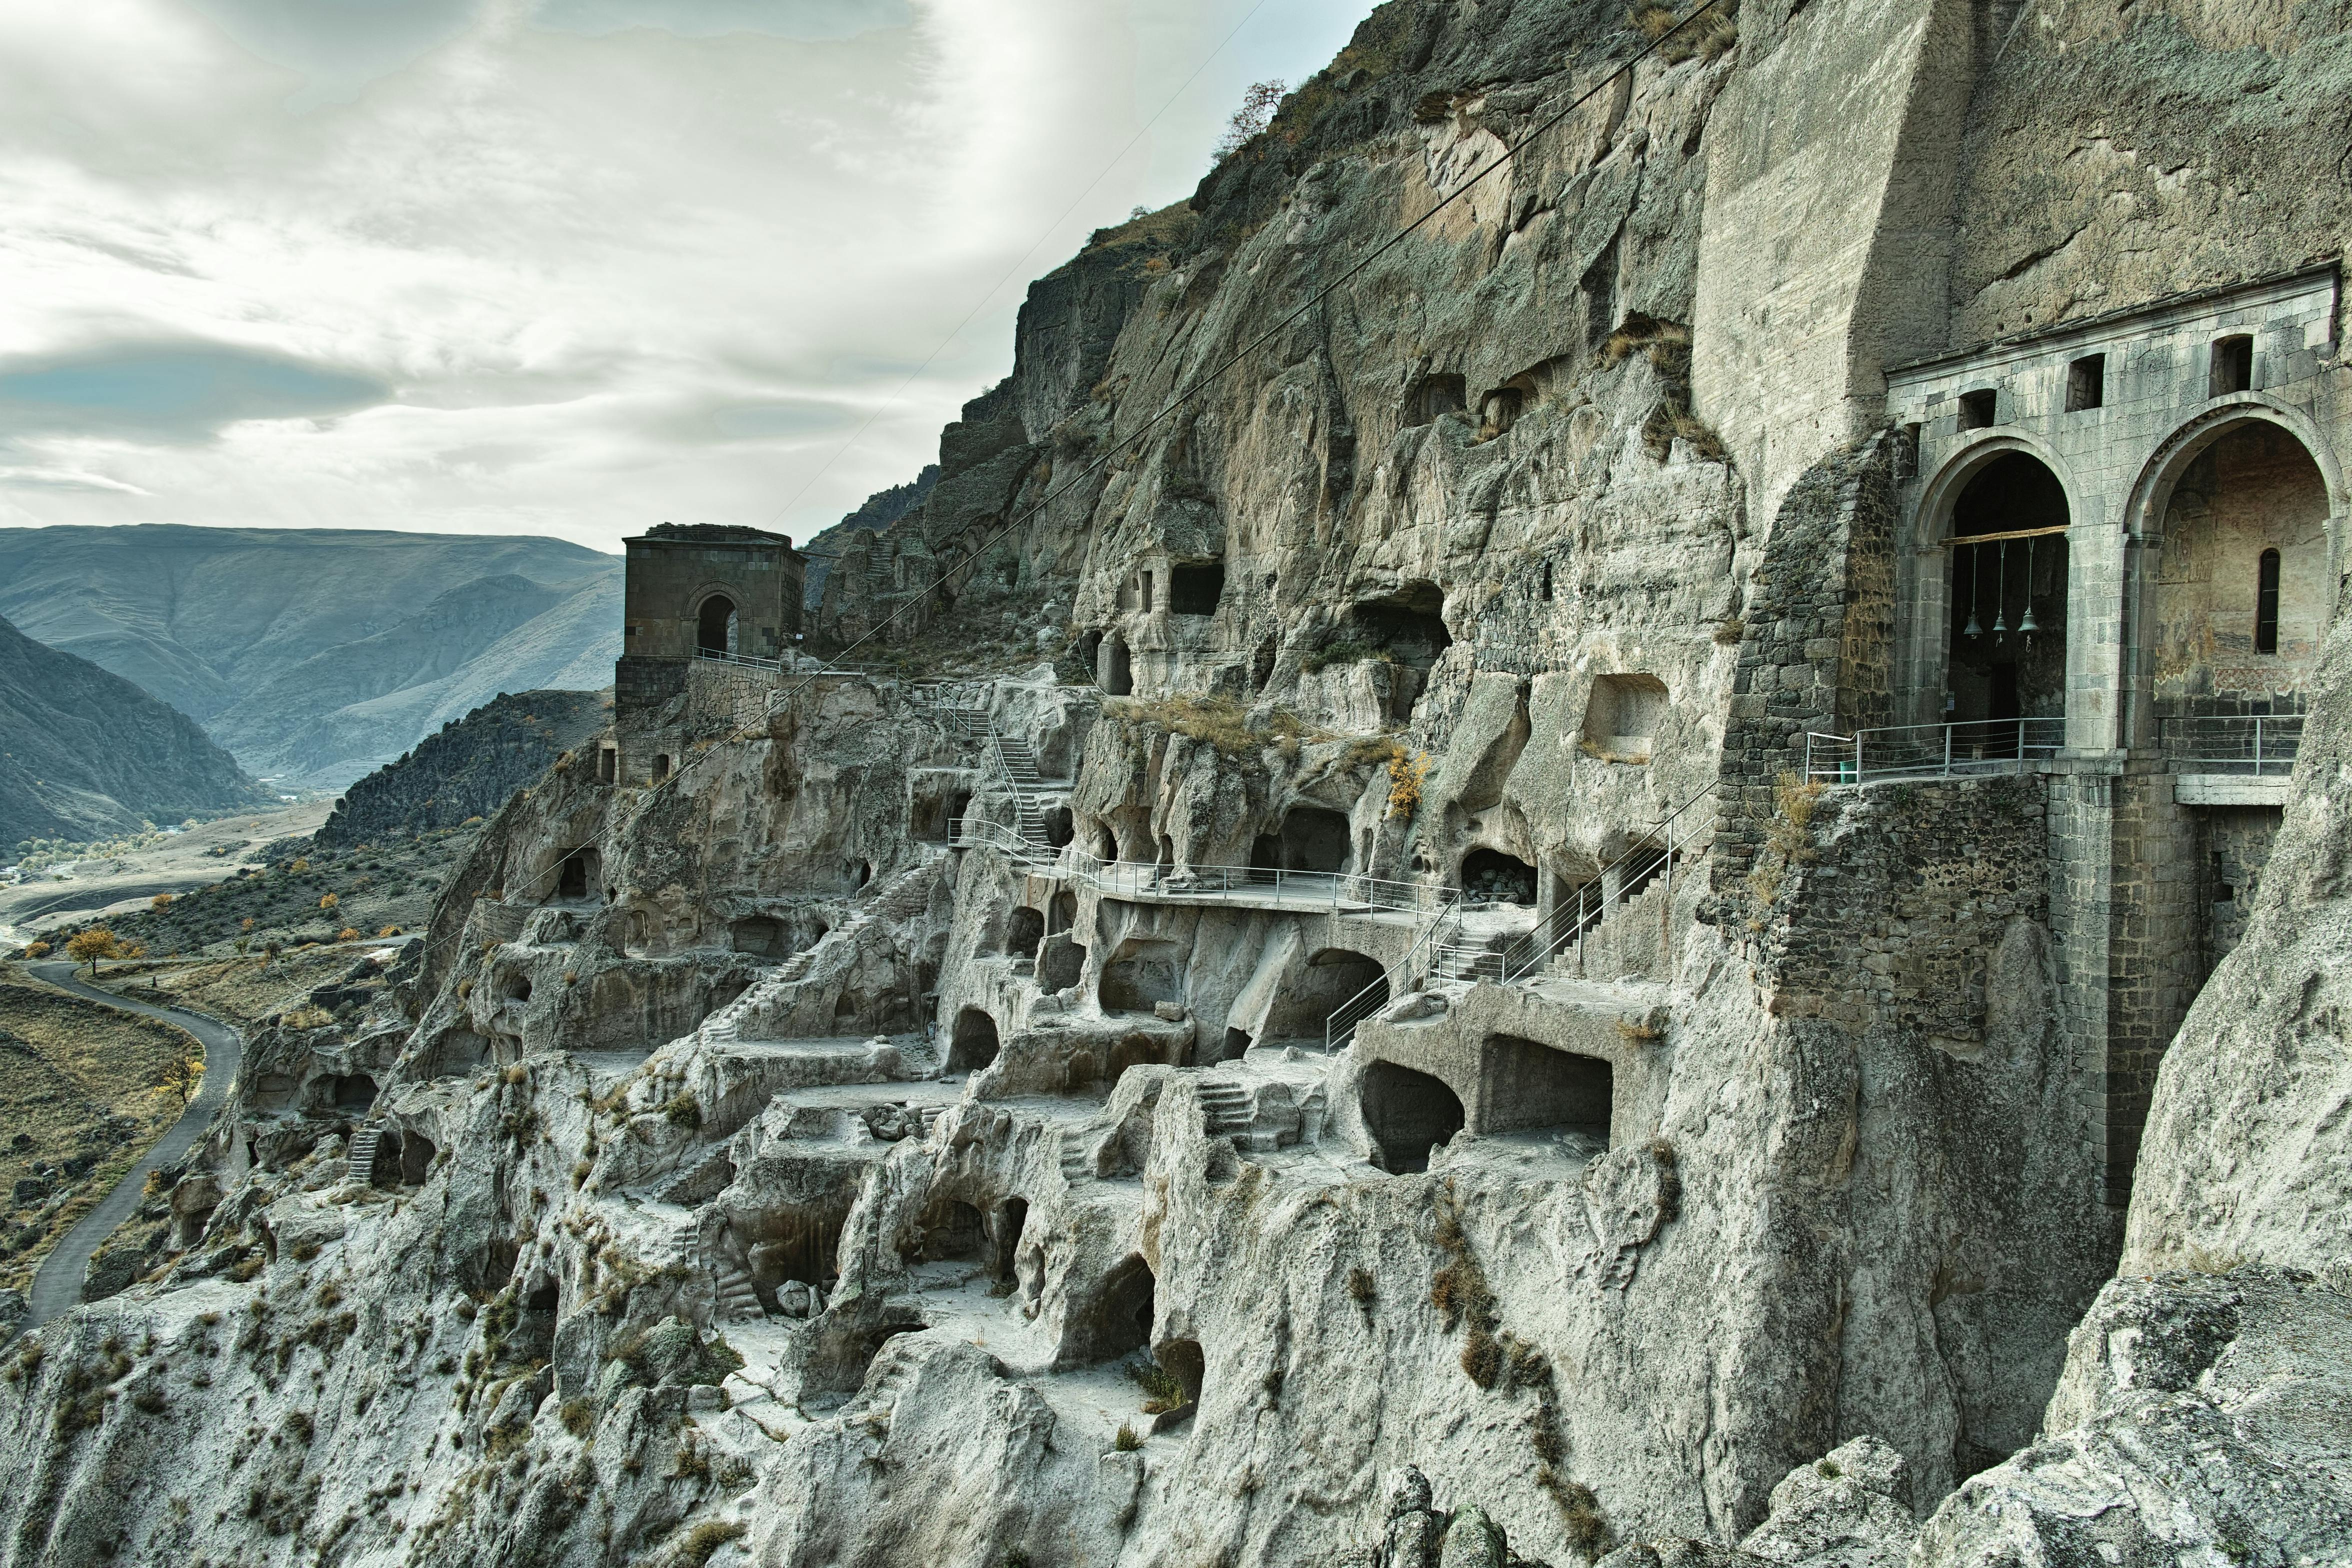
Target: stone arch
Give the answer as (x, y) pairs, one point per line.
(1994, 675)
(1494, 876)
(1313, 838)
(1409, 1114)
(1026, 931)
(975, 1043)
(1117, 1317)
(718, 623)
(1308, 997)
(2190, 634)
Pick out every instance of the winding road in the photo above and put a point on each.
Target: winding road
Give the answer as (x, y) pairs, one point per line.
(58, 1285)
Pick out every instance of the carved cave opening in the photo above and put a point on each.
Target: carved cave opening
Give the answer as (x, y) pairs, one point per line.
(975, 1043)
(1409, 1114)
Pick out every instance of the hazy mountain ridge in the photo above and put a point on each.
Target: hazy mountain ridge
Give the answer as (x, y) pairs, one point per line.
(317, 654)
(468, 767)
(85, 754)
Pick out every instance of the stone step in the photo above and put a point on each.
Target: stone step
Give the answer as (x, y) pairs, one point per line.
(359, 1159)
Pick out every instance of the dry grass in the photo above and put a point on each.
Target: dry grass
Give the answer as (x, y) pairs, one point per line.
(1161, 1391)
(1730, 631)
(1407, 772)
(243, 990)
(1709, 39)
(78, 1079)
(1788, 838)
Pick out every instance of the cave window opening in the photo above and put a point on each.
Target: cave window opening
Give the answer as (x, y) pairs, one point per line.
(541, 1299)
(1409, 1115)
(863, 875)
(416, 1153)
(1498, 411)
(758, 935)
(1977, 409)
(1598, 287)
(1028, 929)
(1118, 678)
(1529, 1084)
(1314, 838)
(1059, 830)
(1143, 592)
(581, 870)
(1194, 589)
(1435, 397)
(661, 766)
(608, 764)
(1123, 1309)
(2086, 382)
(1411, 624)
(714, 628)
(1012, 1218)
(1237, 1044)
(1183, 1361)
(1106, 846)
(2233, 368)
(355, 1093)
(518, 988)
(975, 1043)
(958, 803)
(1543, 582)
(1089, 647)
(1624, 715)
(385, 1172)
(1265, 858)
(2267, 603)
(951, 1231)
(1489, 876)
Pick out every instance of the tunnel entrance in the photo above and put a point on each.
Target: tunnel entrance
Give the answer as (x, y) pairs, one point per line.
(1529, 1084)
(1409, 623)
(580, 874)
(974, 1045)
(1026, 930)
(1004, 1244)
(715, 626)
(949, 1231)
(1314, 838)
(1117, 679)
(1489, 876)
(354, 1093)
(1118, 1321)
(416, 1153)
(1409, 1114)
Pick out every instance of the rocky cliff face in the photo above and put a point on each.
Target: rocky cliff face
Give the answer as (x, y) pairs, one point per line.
(1065, 1115)
(468, 767)
(85, 754)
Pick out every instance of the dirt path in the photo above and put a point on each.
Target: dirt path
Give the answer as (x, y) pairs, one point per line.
(58, 1285)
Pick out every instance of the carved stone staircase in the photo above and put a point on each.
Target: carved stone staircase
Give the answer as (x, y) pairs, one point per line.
(1227, 1103)
(359, 1159)
(737, 1303)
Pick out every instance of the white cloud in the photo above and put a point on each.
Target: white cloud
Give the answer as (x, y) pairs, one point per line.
(611, 266)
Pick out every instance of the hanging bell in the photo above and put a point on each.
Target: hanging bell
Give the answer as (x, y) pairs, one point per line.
(2026, 623)
(1973, 629)
(2000, 593)
(1999, 624)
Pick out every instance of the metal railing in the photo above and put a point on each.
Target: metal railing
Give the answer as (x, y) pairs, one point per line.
(2261, 745)
(1934, 751)
(1337, 891)
(1649, 858)
(1399, 978)
(968, 831)
(799, 663)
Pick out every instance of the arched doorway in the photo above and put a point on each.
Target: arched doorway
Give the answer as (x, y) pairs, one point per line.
(1489, 876)
(1409, 1114)
(715, 626)
(2242, 589)
(1314, 838)
(2005, 596)
(974, 1045)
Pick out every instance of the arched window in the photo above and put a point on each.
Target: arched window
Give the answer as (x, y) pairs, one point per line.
(2267, 603)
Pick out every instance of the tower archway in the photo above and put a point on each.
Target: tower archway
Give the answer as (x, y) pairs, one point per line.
(716, 626)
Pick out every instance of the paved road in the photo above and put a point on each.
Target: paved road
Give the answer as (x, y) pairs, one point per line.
(58, 1285)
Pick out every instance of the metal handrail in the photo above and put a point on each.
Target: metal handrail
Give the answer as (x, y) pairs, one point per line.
(1654, 851)
(1340, 1026)
(1342, 891)
(1971, 746)
(967, 831)
(2256, 743)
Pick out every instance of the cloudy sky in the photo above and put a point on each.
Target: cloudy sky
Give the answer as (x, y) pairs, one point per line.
(562, 266)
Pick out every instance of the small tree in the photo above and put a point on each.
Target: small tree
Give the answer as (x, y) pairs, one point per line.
(349, 933)
(1253, 116)
(329, 901)
(90, 946)
(160, 902)
(181, 1073)
(39, 950)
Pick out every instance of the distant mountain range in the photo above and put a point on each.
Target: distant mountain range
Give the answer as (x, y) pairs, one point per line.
(468, 767)
(316, 654)
(85, 754)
